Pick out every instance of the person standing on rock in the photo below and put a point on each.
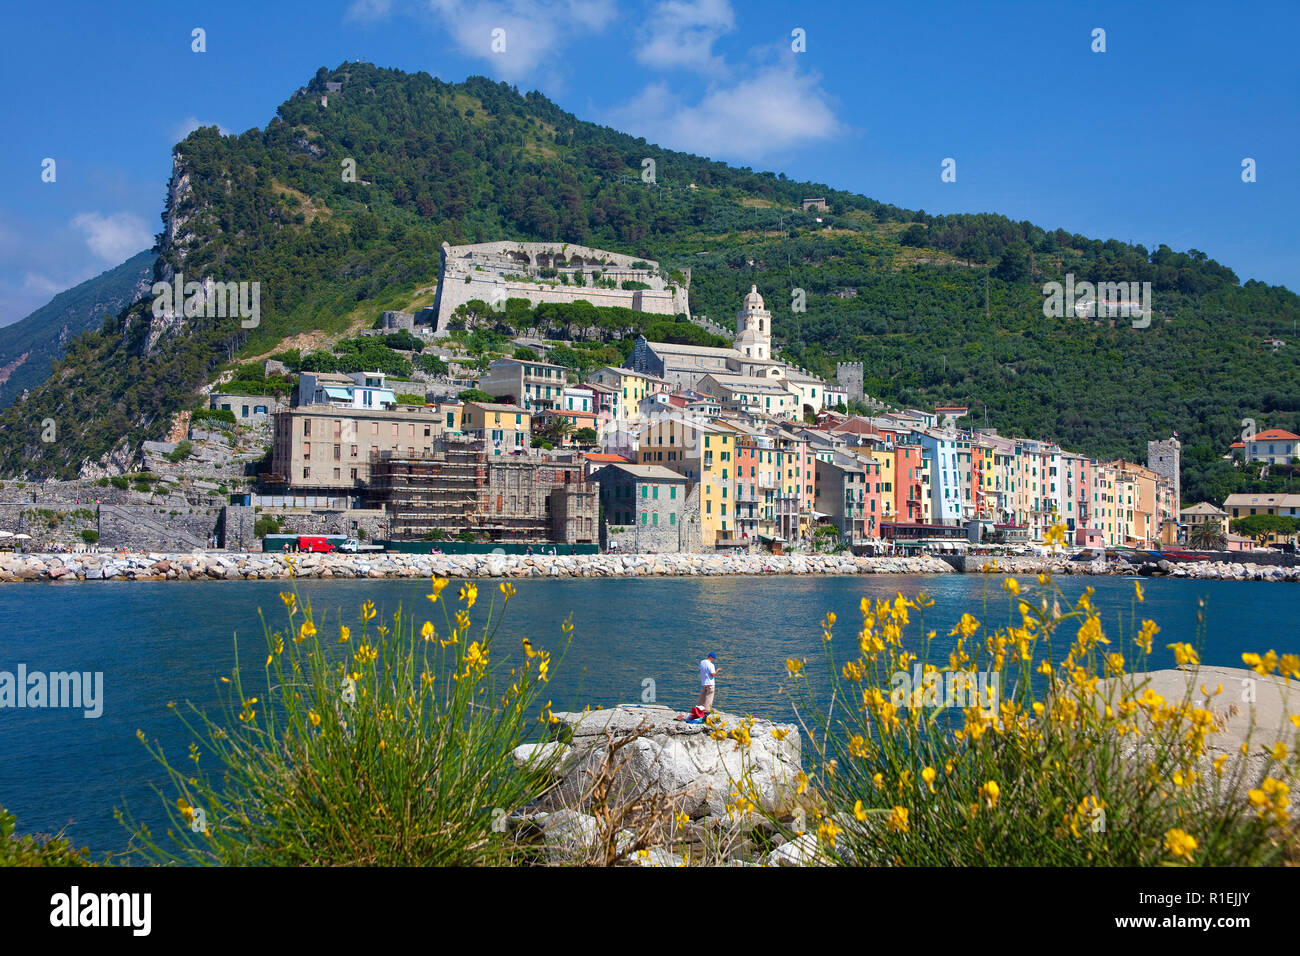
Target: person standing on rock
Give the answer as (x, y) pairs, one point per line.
(708, 672)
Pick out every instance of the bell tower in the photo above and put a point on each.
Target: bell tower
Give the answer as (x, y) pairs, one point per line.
(754, 327)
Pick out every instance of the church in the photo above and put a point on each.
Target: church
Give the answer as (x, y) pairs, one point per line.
(744, 377)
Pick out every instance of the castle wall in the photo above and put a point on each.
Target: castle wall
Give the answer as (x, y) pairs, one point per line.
(477, 272)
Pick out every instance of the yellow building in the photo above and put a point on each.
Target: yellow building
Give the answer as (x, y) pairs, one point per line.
(505, 428)
(705, 452)
(887, 459)
(632, 386)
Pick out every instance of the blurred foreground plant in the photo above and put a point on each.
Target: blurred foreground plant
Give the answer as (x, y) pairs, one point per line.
(391, 746)
(961, 763)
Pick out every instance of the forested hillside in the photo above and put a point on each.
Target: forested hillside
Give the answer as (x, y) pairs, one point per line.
(28, 346)
(939, 308)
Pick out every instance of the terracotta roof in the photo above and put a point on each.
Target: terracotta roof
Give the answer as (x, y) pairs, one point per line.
(608, 459)
(1275, 434)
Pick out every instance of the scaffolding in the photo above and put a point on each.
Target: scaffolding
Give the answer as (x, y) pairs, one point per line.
(511, 499)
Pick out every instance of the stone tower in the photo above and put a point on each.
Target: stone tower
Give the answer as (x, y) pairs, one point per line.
(849, 375)
(1165, 458)
(754, 327)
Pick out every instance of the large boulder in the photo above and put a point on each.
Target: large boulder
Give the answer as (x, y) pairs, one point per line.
(696, 766)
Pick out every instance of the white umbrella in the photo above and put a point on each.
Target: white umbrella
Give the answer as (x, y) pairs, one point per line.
(22, 537)
(6, 534)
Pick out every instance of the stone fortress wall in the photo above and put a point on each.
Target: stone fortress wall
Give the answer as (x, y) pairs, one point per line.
(478, 271)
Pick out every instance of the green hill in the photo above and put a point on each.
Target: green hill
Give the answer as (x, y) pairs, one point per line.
(28, 346)
(902, 291)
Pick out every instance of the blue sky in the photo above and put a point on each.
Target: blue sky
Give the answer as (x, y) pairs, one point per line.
(1143, 142)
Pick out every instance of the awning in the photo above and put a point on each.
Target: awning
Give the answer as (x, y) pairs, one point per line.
(342, 394)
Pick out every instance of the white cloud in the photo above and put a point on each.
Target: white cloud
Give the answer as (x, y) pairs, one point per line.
(190, 124)
(681, 33)
(113, 238)
(369, 10)
(774, 110)
(534, 29)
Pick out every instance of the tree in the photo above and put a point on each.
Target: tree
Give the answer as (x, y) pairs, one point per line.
(1014, 264)
(1207, 537)
(559, 429)
(525, 354)
(476, 395)
(586, 436)
(1261, 527)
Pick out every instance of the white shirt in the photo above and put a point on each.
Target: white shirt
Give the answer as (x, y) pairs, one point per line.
(707, 670)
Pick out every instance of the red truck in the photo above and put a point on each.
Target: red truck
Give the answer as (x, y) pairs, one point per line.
(312, 543)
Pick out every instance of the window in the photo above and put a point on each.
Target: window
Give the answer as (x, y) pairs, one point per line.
(644, 517)
(672, 492)
(672, 517)
(354, 474)
(306, 450)
(306, 426)
(337, 452)
(655, 519)
(354, 451)
(655, 495)
(645, 491)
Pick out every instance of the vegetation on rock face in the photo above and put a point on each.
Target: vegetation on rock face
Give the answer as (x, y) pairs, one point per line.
(940, 309)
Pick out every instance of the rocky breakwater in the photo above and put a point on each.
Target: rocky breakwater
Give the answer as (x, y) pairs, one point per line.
(634, 777)
(1201, 570)
(237, 566)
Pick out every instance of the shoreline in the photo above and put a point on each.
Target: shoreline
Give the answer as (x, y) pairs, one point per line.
(250, 566)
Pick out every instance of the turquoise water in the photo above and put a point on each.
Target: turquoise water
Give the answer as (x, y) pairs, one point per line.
(162, 641)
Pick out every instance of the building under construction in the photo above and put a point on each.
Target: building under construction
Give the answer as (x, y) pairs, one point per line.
(457, 487)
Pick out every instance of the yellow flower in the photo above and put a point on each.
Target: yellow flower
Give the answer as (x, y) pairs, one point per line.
(1261, 665)
(829, 622)
(1137, 587)
(800, 783)
(547, 717)
(780, 733)
(366, 654)
(1278, 752)
(793, 666)
(344, 633)
(1115, 664)
(437, 585)
(967, 627)
(1143, 640)
(1011, 586)
(898, 819)
(290, 601)
(928, 776)
(859, 812)
(681, 818)
(426, 632)
(468, 594)
(528, 649)
(462, 620)
(1288, 665)
(1218, 764)
(989, 794)
(1180, 843)
(828, 831)
(314, 718)
(367, 611)
(1184, 653)
(858, 746)
(304, 632)
(506, 588)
